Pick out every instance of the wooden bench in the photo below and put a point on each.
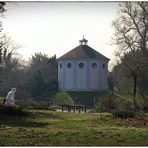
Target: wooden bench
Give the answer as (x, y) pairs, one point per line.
(69, 108)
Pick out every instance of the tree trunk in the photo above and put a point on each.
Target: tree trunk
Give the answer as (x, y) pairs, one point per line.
(135, 91)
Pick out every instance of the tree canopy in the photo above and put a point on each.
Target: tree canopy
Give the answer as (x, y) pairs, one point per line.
(131, 38)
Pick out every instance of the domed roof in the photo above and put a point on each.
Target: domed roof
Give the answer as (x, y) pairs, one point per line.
(83, 52)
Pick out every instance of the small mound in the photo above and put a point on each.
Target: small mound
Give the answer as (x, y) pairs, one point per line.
(12, 110)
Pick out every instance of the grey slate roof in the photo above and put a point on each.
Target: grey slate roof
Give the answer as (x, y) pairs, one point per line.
(83, 52)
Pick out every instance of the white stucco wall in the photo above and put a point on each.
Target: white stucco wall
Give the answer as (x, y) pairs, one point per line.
(83, 79)
(104, 75)
(94, 76)
(69, 75)
(81, 76)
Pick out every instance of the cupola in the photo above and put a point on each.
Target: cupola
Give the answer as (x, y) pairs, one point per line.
(83, 41)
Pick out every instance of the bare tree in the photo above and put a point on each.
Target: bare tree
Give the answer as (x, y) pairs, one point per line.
(11, 64)
(10, 52)
(2, 10)
(131, 38)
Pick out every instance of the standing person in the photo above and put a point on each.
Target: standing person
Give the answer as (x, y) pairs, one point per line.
(49, 100)
(10, 97)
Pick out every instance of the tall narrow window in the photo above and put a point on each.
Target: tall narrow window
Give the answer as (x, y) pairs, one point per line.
(60, 65)
(103, 65)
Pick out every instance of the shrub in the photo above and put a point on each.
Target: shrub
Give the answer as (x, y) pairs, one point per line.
(12, 110)
(104, 104)
(63, 98)
(123, 102)
(123, 114)
(145, 106)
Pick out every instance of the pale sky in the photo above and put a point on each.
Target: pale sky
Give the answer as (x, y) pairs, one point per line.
(57, 27)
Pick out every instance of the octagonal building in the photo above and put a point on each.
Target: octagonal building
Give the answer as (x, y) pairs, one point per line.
(83, 69)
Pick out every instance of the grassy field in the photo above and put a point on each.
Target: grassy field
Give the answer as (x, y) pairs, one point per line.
(47, 128)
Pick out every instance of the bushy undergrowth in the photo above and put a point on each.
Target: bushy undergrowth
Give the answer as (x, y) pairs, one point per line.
(111, 102)
(12, 110)
(32, 102)
(53, 108)
(105, 104)
(145, 103)
(124, 114)
(1, 100)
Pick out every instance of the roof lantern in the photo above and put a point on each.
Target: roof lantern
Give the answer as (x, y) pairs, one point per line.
(83, 41)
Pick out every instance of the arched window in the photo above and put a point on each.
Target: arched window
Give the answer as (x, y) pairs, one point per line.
(94, 65)
(60, 65)
(68, 65)
(81, 65)
(103, 66)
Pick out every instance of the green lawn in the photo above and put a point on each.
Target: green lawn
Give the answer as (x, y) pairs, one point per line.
(47, 128)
